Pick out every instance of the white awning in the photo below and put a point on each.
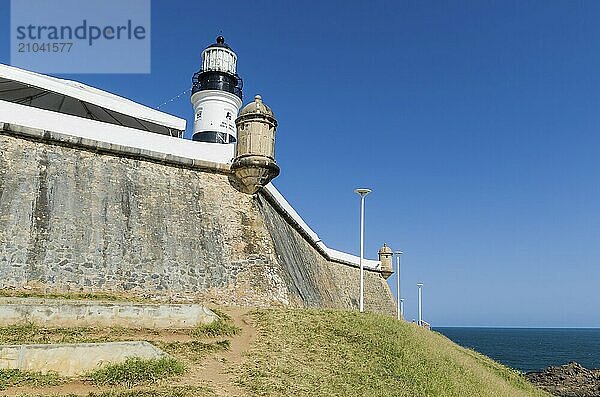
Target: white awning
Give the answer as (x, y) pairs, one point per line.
(77, 99)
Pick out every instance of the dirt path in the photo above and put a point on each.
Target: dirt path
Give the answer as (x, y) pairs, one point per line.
(218, 370)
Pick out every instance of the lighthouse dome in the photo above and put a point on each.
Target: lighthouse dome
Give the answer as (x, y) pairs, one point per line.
(220, 42)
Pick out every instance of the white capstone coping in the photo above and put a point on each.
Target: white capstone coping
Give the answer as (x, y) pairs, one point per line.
(73, 359)
(56, 313)
(40, 119)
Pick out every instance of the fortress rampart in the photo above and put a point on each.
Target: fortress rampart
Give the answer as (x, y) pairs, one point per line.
(79, 214)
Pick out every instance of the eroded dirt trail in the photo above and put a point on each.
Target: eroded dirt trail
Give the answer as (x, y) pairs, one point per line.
(217, 371)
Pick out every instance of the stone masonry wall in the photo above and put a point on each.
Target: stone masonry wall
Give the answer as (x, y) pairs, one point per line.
(79, 220)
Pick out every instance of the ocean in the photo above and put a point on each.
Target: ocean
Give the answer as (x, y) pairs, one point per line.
(530, 349)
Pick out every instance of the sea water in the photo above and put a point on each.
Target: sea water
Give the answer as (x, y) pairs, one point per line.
(531, 349)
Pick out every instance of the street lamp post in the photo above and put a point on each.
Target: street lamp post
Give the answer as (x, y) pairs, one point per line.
(420, 287)
(362, 192)
(402, 307)
(398, 295)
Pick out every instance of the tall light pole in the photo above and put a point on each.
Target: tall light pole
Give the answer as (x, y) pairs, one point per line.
(420, 287)
(362, 192)
(398, 295)
(402, 307)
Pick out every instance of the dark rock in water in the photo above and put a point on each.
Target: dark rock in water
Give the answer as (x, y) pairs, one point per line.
(569, 380)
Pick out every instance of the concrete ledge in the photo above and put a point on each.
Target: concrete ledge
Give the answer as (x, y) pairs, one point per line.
(74, 313)
(73, 359)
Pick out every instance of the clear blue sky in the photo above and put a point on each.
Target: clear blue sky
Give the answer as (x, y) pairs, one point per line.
(476, 124)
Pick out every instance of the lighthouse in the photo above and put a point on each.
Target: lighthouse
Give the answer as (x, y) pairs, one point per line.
(216, 95)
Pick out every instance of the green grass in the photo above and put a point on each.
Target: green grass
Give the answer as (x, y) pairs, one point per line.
(222, 327)
(15, 377)
(184, 391)
(136, 371)
(194, 350)
(31, 333)
(339, 353)
(96, 296)
(177, 391)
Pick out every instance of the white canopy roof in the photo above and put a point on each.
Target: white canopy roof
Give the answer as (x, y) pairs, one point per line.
(71, 97)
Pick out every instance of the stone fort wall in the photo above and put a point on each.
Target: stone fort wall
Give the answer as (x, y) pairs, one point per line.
(78, 216)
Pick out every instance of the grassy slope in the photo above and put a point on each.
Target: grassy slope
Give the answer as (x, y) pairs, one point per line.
(338, 353)
(307, 353)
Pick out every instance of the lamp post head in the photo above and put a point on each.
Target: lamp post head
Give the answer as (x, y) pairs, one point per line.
(402, 300)
(398, 253)
(362, 191)
(419, 285)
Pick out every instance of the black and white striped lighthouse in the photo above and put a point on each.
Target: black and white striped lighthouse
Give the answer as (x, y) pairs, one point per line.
(216, 95)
